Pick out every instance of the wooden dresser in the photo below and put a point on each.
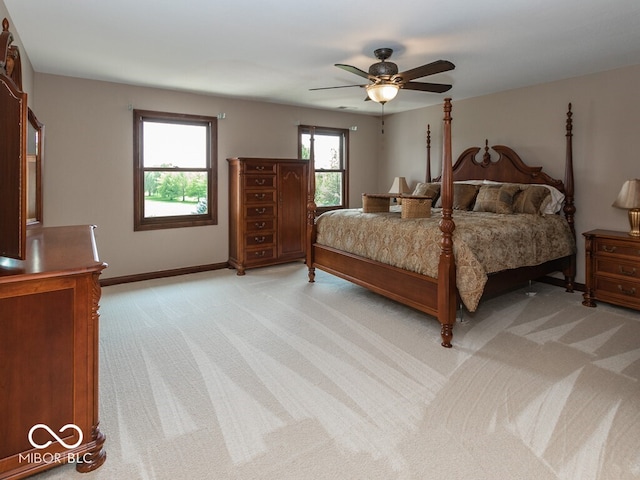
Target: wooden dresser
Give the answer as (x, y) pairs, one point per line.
(267, 211)
(612, 268)
(49, 353)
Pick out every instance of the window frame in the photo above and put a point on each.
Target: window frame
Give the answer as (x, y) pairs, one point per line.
(142, 223)
(343, 133)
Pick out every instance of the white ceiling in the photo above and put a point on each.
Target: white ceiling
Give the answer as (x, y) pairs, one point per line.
(276, 50)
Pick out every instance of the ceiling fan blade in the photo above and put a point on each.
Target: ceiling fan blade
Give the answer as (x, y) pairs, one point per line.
(426, 87)
(429, 69)
(351, 69)
(339, 86)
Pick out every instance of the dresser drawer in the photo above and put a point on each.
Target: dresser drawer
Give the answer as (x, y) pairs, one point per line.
(259, 197)
(613, 266)
(257, 166)
(259, 239)
(617, 247)
(259, 181)
(259, 255)
(266, 211)
(259, 225)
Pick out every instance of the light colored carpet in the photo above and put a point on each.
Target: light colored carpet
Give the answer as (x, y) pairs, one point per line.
(215, 376)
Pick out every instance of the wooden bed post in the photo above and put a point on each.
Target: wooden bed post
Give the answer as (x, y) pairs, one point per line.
(569, 208)
(428, 176)
(311, 207)
(447, 293)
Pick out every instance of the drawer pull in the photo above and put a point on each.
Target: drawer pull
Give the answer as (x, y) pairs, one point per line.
(608, 249)
(260, 167)
(261, 253)
(260, 225)
(260, 181)
(630, 273)
(631, 291)
(259, 239)
(260, 211)
(260, 196)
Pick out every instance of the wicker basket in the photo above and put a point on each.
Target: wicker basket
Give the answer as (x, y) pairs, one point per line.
(414, 206)
(375, 203)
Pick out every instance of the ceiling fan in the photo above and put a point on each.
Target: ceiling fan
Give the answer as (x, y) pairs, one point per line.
(386, 81)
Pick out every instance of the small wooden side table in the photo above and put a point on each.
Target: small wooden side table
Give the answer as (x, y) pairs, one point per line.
(612, 268)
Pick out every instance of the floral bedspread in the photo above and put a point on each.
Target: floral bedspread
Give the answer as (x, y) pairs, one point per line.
(483, 242)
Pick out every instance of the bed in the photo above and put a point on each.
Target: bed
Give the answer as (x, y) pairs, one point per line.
(436, 264)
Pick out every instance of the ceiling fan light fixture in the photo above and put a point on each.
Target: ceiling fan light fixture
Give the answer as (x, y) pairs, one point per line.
(382, 92)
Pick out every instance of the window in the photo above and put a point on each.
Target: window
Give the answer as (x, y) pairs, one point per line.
(331, 147)
(175, 170)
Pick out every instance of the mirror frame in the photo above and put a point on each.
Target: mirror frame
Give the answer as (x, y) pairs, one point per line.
(35, 141)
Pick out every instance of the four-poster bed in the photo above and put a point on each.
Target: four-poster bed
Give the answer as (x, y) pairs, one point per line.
(438, 287)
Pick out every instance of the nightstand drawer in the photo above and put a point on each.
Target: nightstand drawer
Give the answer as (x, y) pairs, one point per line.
(616, 267)
(617, 289)
(617, 247)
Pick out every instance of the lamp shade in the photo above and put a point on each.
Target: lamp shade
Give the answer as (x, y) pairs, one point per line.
(629, 196)
(382, 92)
(399, 186)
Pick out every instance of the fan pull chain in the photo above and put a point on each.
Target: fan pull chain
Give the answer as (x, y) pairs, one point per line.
(382, 118)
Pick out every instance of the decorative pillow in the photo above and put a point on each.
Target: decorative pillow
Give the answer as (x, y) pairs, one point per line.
(463, 196)
(496, 198)
(531, 199)
(427, 190)
(554, 205)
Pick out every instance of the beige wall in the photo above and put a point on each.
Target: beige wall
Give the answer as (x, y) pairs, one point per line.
(88, 172)
(606, 107)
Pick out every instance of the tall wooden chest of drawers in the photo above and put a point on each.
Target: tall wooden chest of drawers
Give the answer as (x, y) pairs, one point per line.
(612, 268)
(267, 211)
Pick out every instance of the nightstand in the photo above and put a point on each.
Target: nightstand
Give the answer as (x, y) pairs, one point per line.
(612, 268)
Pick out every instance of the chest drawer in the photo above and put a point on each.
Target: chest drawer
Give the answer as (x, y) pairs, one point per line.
(259, 181)
(617, 247)
(259, 239)
(259, 225)
(259, 197)
(265, 211)
(257, 166)
(260, 254)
